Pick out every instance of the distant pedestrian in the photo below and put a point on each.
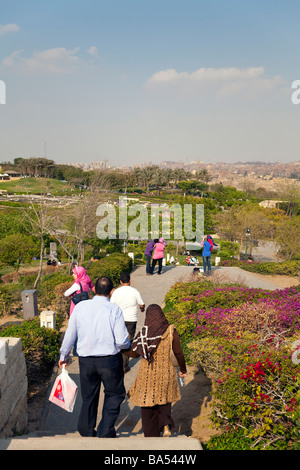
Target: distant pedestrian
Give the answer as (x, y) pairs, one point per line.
(100, 329)
(158, 255)
(130, 301)
(81, 281)
(155, 387)
(206, 256)
(148, 253)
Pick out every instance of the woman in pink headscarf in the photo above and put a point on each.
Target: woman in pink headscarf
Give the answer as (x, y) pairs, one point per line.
(80, 278)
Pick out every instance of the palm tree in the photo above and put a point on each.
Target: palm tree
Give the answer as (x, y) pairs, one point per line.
(180, 174)
(167, 174)
(203, 175)
(148, 174)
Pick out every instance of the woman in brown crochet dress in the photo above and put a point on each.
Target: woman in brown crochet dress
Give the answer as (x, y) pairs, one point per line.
(156, 387)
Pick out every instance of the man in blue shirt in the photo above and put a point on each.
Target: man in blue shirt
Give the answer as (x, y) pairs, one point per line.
(101, 333)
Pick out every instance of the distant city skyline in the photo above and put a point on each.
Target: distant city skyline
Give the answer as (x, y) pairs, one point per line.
(149, 80)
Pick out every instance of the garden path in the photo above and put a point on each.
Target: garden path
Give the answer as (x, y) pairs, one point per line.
(153, 290)
(56, 422)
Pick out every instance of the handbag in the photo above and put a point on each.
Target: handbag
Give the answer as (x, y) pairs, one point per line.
(64, 391)
(172, 355)
(82, 295)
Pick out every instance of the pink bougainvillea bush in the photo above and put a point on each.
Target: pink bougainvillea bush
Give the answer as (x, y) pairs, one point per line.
(246, 341)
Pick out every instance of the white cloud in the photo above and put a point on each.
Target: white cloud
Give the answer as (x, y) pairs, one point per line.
(93, 51)
(205, 74)
(8, 28)
(225, 82)
(51, 61)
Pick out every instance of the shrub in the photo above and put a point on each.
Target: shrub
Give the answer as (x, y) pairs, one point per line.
(46, 289)
(284, 268)
(229, 441)
(111, 266)
(40, 345)
(261, 396)
(242, 339)
(228, 249)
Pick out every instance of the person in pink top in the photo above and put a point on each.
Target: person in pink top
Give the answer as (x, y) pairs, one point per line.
(158, 254)
(80, 277)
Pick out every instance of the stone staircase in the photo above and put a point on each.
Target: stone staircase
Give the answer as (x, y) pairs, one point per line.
(40, 441)
(58, 429)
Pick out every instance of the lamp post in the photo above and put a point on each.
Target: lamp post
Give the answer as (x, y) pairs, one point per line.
(248, 233)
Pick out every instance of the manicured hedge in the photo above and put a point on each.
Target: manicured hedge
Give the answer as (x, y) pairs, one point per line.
(40, 346)
(284, 268)
(111, 266)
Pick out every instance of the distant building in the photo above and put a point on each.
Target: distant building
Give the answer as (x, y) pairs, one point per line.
(13, 174)
(270, 203)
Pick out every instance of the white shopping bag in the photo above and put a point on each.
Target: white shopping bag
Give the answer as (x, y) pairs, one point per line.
(64, 391)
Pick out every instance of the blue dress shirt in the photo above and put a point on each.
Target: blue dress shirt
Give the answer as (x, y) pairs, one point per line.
(99, 327)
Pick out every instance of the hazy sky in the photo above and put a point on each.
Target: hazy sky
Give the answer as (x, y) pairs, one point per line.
(132, 81)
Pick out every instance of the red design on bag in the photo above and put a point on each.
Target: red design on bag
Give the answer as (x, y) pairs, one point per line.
(58, 393)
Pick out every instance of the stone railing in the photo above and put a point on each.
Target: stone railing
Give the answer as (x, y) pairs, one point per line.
(13, 388)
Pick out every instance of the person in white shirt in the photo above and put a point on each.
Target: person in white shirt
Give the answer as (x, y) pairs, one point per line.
(130, 301)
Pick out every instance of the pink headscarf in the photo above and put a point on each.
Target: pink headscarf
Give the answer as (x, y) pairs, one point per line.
(84, 280)
(81, 274)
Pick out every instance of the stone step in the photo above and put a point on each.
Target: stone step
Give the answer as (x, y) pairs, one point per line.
(38, 441)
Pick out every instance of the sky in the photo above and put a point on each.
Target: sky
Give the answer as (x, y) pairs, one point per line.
(137, 81)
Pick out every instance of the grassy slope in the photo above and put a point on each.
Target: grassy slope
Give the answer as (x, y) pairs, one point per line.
(35, 186)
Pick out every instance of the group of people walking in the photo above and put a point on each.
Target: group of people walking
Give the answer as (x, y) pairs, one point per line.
(103, 329)
(155, 250)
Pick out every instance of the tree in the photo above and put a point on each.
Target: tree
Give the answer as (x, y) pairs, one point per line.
(39, 223)
(203, 175)
(290, 196)
(147, 175)
(167, 175)
(179, 174)
(190, 186)
(17, 248)
(288, 238)
(232, 224)
(81, 223)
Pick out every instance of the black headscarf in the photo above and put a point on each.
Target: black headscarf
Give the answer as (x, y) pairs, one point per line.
(147, 340)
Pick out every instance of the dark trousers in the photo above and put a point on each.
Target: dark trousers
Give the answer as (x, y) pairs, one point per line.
(95, 370)
(131, 327)
(159, 265)
(154, 418)
(148, 264)
(206, 262)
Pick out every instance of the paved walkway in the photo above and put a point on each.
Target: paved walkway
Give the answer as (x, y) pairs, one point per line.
(57, 422)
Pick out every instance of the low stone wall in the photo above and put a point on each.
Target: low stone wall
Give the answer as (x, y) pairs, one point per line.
(13, 388)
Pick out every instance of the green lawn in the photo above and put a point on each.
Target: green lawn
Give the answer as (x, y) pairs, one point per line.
(36, 186)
